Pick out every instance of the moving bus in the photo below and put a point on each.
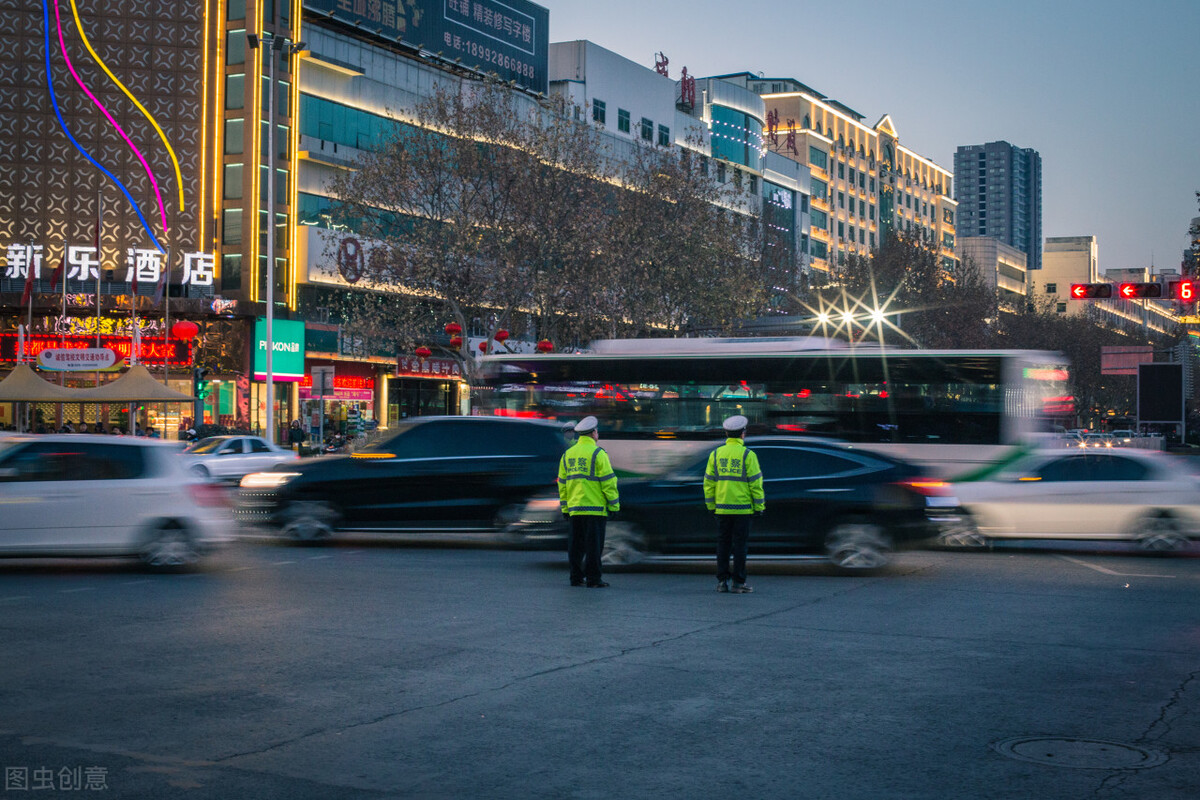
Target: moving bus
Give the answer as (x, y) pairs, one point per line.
(659, 400)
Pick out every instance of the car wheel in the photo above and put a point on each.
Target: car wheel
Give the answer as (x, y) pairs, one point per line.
(624, 543)
(1161, 533)
(309, 521)
(200, 470)
(962, 535)
(506, 516)
(170, 548)
(858, 544)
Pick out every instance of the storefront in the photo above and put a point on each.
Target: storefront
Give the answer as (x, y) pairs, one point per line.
(351, 398)
(426, 386)
(287, 368)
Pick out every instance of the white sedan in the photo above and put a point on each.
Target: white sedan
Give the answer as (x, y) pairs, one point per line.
(80, 495)
(229, 458)
(1120, 495)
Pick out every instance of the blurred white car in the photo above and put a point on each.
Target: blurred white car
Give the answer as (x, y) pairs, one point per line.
(84, 495)
(229, 458)
(1110, 494)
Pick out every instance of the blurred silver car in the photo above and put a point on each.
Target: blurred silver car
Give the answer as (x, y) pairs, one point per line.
(229, 458)
(84, 495)
(1110, 494)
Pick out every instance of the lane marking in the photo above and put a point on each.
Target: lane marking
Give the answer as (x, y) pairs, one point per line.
(16, 597)
(1107, 571)
(281, 563)
(72, 591)
(318, 558)
(135, 583)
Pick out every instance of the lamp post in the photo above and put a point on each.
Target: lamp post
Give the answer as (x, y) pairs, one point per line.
(279, 44)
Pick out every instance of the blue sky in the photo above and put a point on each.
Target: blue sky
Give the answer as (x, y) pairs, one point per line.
(1107, 92)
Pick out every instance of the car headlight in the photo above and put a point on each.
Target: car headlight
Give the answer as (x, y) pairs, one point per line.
(267, 480)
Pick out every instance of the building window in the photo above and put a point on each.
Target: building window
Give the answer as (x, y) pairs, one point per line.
(1051, 288)
(753, 184)
(852, 176)
(872, 184)
(598, 109)
(861, 236)
(841, 170)
(820, 220)
(871, 213)
(1061, 308)
(647, 129)
(872, 241)
(235, 91)
(720, 172)
(233, 182)
(841, 230)
(841, 199)
(233, 135)
(819, 189)
(622, 120)
(862, 208)
(818, 158)
(664, 136)
(231, 228)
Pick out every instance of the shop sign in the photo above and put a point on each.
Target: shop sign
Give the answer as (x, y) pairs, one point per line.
(509, 38)
(341, 387)
(412, 366)
(66, 359)
(151, 349)
(287, 361)
(83, 264)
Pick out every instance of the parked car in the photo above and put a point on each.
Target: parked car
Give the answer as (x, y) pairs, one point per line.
(831, 500)
(81, 495)
(1122, 494)
(228, 458)
(445, 474)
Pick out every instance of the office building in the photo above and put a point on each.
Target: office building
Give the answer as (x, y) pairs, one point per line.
(999, 192)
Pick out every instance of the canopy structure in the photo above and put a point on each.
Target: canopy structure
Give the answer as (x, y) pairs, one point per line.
(136, 385)
(24, 385)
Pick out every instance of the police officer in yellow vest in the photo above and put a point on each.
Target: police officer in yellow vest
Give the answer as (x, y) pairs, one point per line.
(587, 492)
(733, 489)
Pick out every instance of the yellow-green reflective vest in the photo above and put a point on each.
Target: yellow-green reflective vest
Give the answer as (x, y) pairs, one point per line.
(586, 481)
(733, 483)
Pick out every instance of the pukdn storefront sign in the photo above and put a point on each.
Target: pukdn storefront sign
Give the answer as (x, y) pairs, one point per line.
(287, 354)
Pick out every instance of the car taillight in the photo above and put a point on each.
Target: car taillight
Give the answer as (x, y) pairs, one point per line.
(929, 487)
(209, 495)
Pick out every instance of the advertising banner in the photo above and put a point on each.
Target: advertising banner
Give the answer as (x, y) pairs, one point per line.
(77, 359)
(152, 350)
(510, 38)
(287, 362)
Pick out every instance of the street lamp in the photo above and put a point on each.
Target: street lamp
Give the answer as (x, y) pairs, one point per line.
(279, 44)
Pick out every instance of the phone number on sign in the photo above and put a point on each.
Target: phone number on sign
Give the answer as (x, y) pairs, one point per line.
(490, 56)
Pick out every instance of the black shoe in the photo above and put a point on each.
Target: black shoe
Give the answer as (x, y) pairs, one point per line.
(598, 585)
(723, 586)
(577, 583)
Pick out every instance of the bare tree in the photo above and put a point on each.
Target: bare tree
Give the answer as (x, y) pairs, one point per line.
(496, 211)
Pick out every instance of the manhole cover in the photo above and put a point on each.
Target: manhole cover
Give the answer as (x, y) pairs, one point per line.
(1079, 753)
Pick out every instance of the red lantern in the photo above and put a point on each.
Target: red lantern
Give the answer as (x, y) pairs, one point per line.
(545, 346)
(456, 342)
(483, 347)
(453, 328)
(501, 335)
(423, 352)
(185, 329)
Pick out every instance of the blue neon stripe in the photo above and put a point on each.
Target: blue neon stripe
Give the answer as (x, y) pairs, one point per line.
(63, 125)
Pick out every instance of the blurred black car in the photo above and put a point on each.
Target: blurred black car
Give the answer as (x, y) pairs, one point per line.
(832, 500)
(450, 474)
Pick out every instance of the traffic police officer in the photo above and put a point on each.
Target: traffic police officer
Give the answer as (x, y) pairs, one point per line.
(587, 492)
(733, 489)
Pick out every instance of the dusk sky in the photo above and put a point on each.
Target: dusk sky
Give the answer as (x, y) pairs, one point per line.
(1107, 92)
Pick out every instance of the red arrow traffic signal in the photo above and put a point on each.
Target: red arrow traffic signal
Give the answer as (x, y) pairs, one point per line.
(1090, 291)
(1130, 291)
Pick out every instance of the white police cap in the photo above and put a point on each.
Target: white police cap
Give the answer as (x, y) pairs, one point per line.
(735, 423)
(587, 425)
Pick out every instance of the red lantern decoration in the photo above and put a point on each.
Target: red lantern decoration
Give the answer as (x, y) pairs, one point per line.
(423, 352)
(501, 335)
(545, 346)
(483, 347)
(185, 329)
(453, 328)
(456, 342)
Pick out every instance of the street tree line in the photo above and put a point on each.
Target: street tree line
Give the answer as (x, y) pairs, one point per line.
(497, 212)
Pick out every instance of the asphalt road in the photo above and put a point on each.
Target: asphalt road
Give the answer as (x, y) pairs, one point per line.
(363, 670)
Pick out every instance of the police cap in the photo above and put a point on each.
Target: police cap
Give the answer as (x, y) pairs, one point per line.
(735, 424)
(587, 425)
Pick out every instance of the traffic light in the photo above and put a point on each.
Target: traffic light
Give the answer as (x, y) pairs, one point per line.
(1132, 291)
(1090, 291)
(200, 386)
(1184, 291)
